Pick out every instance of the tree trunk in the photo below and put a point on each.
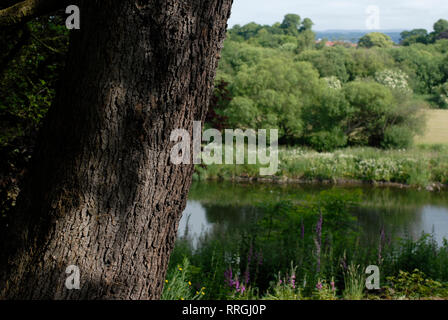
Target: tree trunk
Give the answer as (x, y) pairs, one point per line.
(103, 194)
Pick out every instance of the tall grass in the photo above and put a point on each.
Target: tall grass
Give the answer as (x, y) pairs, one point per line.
(354, 281)
(420, 166)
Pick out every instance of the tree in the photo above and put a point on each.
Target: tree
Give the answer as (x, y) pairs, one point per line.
(307, 24)
(291, 24)
(102, 193)
(414, 36)
(375, 39)
(271, 94)
(440, 26)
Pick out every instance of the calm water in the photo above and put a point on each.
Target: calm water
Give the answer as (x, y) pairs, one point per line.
(217, 207)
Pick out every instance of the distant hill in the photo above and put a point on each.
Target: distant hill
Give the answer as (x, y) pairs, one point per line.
(355, 35)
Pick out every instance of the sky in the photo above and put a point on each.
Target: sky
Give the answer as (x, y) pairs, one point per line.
(343, 14)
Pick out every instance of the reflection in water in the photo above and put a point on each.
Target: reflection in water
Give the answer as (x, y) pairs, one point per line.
(217, 207)
(435, 219)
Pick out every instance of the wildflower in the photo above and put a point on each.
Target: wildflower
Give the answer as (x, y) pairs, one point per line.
(319, 286)
(189, 283)
(318, 240)
(228, 275)
(333, 287)
(246, 276)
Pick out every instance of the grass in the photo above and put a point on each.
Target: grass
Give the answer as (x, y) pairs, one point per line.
(305, 251)
(437, 128)
(421, 166)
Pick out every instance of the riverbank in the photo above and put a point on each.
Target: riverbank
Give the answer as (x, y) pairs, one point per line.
(288, 242)
(425, 166)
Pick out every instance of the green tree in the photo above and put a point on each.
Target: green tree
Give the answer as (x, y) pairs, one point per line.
(375, 39)
(440, 26)
(414, 36)
(307, 24)
(366, 117)
(329, 61)
(291, 24)
(271, 94)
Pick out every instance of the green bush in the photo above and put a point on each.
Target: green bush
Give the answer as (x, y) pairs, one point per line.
(413, 285)
(397, 137)
(328, 141)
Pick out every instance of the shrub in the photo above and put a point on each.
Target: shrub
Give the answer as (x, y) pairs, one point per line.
(375, 39)
(178, 285)
(328, 140)
(413, 285)
(397, 137)
(442, 95)
(394, 79)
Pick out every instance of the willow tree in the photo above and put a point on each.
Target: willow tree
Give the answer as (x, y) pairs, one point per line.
(102, 193)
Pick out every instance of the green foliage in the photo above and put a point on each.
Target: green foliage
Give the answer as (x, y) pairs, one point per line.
(333, 61)
(355, 282)
(29, 70)
(393, 79)
(367, 117)
(324, 290)
(442, 95)
(285, 288)
(271, 95)
(328, 140)
(416, 166)
(178, 285)
(397, 137)
(414, 36)
(440, 26)
(270, 86)
(423, 64)
(291, 24)
(375, 39)
(413, 285)
(289, 249)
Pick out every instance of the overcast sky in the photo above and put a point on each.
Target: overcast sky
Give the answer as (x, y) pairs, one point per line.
(343, 14)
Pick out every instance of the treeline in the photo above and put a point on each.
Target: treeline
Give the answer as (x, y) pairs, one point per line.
(325, 96)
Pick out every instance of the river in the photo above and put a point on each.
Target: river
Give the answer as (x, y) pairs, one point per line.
(219, 206)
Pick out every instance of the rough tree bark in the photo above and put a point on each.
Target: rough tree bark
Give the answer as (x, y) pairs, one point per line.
(102, 192)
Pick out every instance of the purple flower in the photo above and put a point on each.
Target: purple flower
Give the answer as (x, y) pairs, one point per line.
(319, 286)
(318, 241)
(246, 276)
(381, 244)
(333, 287)
(228, 275)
